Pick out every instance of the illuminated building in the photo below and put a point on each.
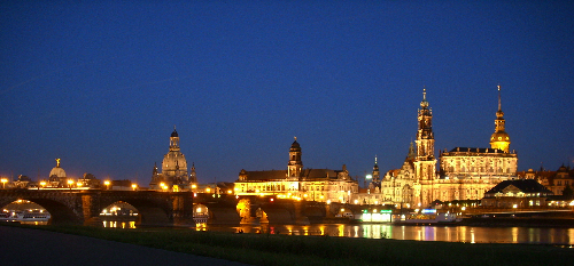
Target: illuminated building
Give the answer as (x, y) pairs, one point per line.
(555, 181)
(298, 183)
(174, 169)
(464, 174)
(22, 181)
(517, 194)
(57, 177)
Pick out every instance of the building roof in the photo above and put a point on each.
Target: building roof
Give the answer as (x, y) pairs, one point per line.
(477, 150)
(549, 175)
(282, 174)
(523, 185)
(174, 134)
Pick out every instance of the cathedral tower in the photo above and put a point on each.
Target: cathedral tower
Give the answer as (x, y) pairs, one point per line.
(425, 159)
(499, 139)
(295, 164)
(174, 165)
(192, 175)
(376, 172)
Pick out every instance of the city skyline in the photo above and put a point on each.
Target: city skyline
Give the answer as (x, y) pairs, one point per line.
(101, 86)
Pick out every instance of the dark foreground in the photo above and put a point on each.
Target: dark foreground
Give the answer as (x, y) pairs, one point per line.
(24, 246)
(28, 246)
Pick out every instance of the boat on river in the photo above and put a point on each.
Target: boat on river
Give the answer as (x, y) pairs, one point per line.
(25, 216)
(429, 217)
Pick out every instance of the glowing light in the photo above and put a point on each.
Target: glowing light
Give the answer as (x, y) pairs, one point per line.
(134, 186)
(207, 190)
(328, 201)
(369, 176)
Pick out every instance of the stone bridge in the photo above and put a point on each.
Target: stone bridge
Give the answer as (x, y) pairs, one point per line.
(84, 207)
(177, 208)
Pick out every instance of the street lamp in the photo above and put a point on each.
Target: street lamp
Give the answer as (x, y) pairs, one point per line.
(70, 182)
(107, 183)
(134, 186)
(4, 181)
(42, 184)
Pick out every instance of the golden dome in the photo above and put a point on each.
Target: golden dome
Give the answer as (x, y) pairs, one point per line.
(500, 140)
(500, 136)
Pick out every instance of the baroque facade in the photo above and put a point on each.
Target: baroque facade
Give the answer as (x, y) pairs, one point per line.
(464, 174)
(322, 185)
(174, 175)
(555, 181)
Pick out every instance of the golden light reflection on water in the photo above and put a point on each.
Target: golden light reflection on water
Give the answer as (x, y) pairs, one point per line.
(562, 236)
(341, 230)
(123, 225)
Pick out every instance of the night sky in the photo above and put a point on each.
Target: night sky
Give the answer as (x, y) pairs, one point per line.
(101, 85)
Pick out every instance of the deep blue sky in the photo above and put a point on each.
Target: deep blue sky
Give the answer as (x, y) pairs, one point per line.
(101, 85)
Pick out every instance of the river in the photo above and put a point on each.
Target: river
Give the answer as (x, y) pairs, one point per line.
(468, 234)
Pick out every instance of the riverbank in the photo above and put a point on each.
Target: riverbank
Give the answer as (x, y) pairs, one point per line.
(30, 246)
(267, 249)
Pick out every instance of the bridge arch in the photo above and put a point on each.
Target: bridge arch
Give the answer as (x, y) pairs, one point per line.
(150, 211)
(120, 214)
(60, 212)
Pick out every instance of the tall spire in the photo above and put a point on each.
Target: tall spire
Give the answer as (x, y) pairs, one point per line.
(499, 101)
(411, 155)
(500, 139)
(424, 102)
(376, 173)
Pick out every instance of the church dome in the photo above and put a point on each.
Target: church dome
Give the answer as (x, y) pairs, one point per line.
(58, 172)
(500, 136)
(174, 134)
(295, 146)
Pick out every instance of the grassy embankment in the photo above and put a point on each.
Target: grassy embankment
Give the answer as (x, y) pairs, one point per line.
(264, 249)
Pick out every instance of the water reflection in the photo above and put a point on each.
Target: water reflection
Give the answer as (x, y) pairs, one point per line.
(421, 233)
(118, 224)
